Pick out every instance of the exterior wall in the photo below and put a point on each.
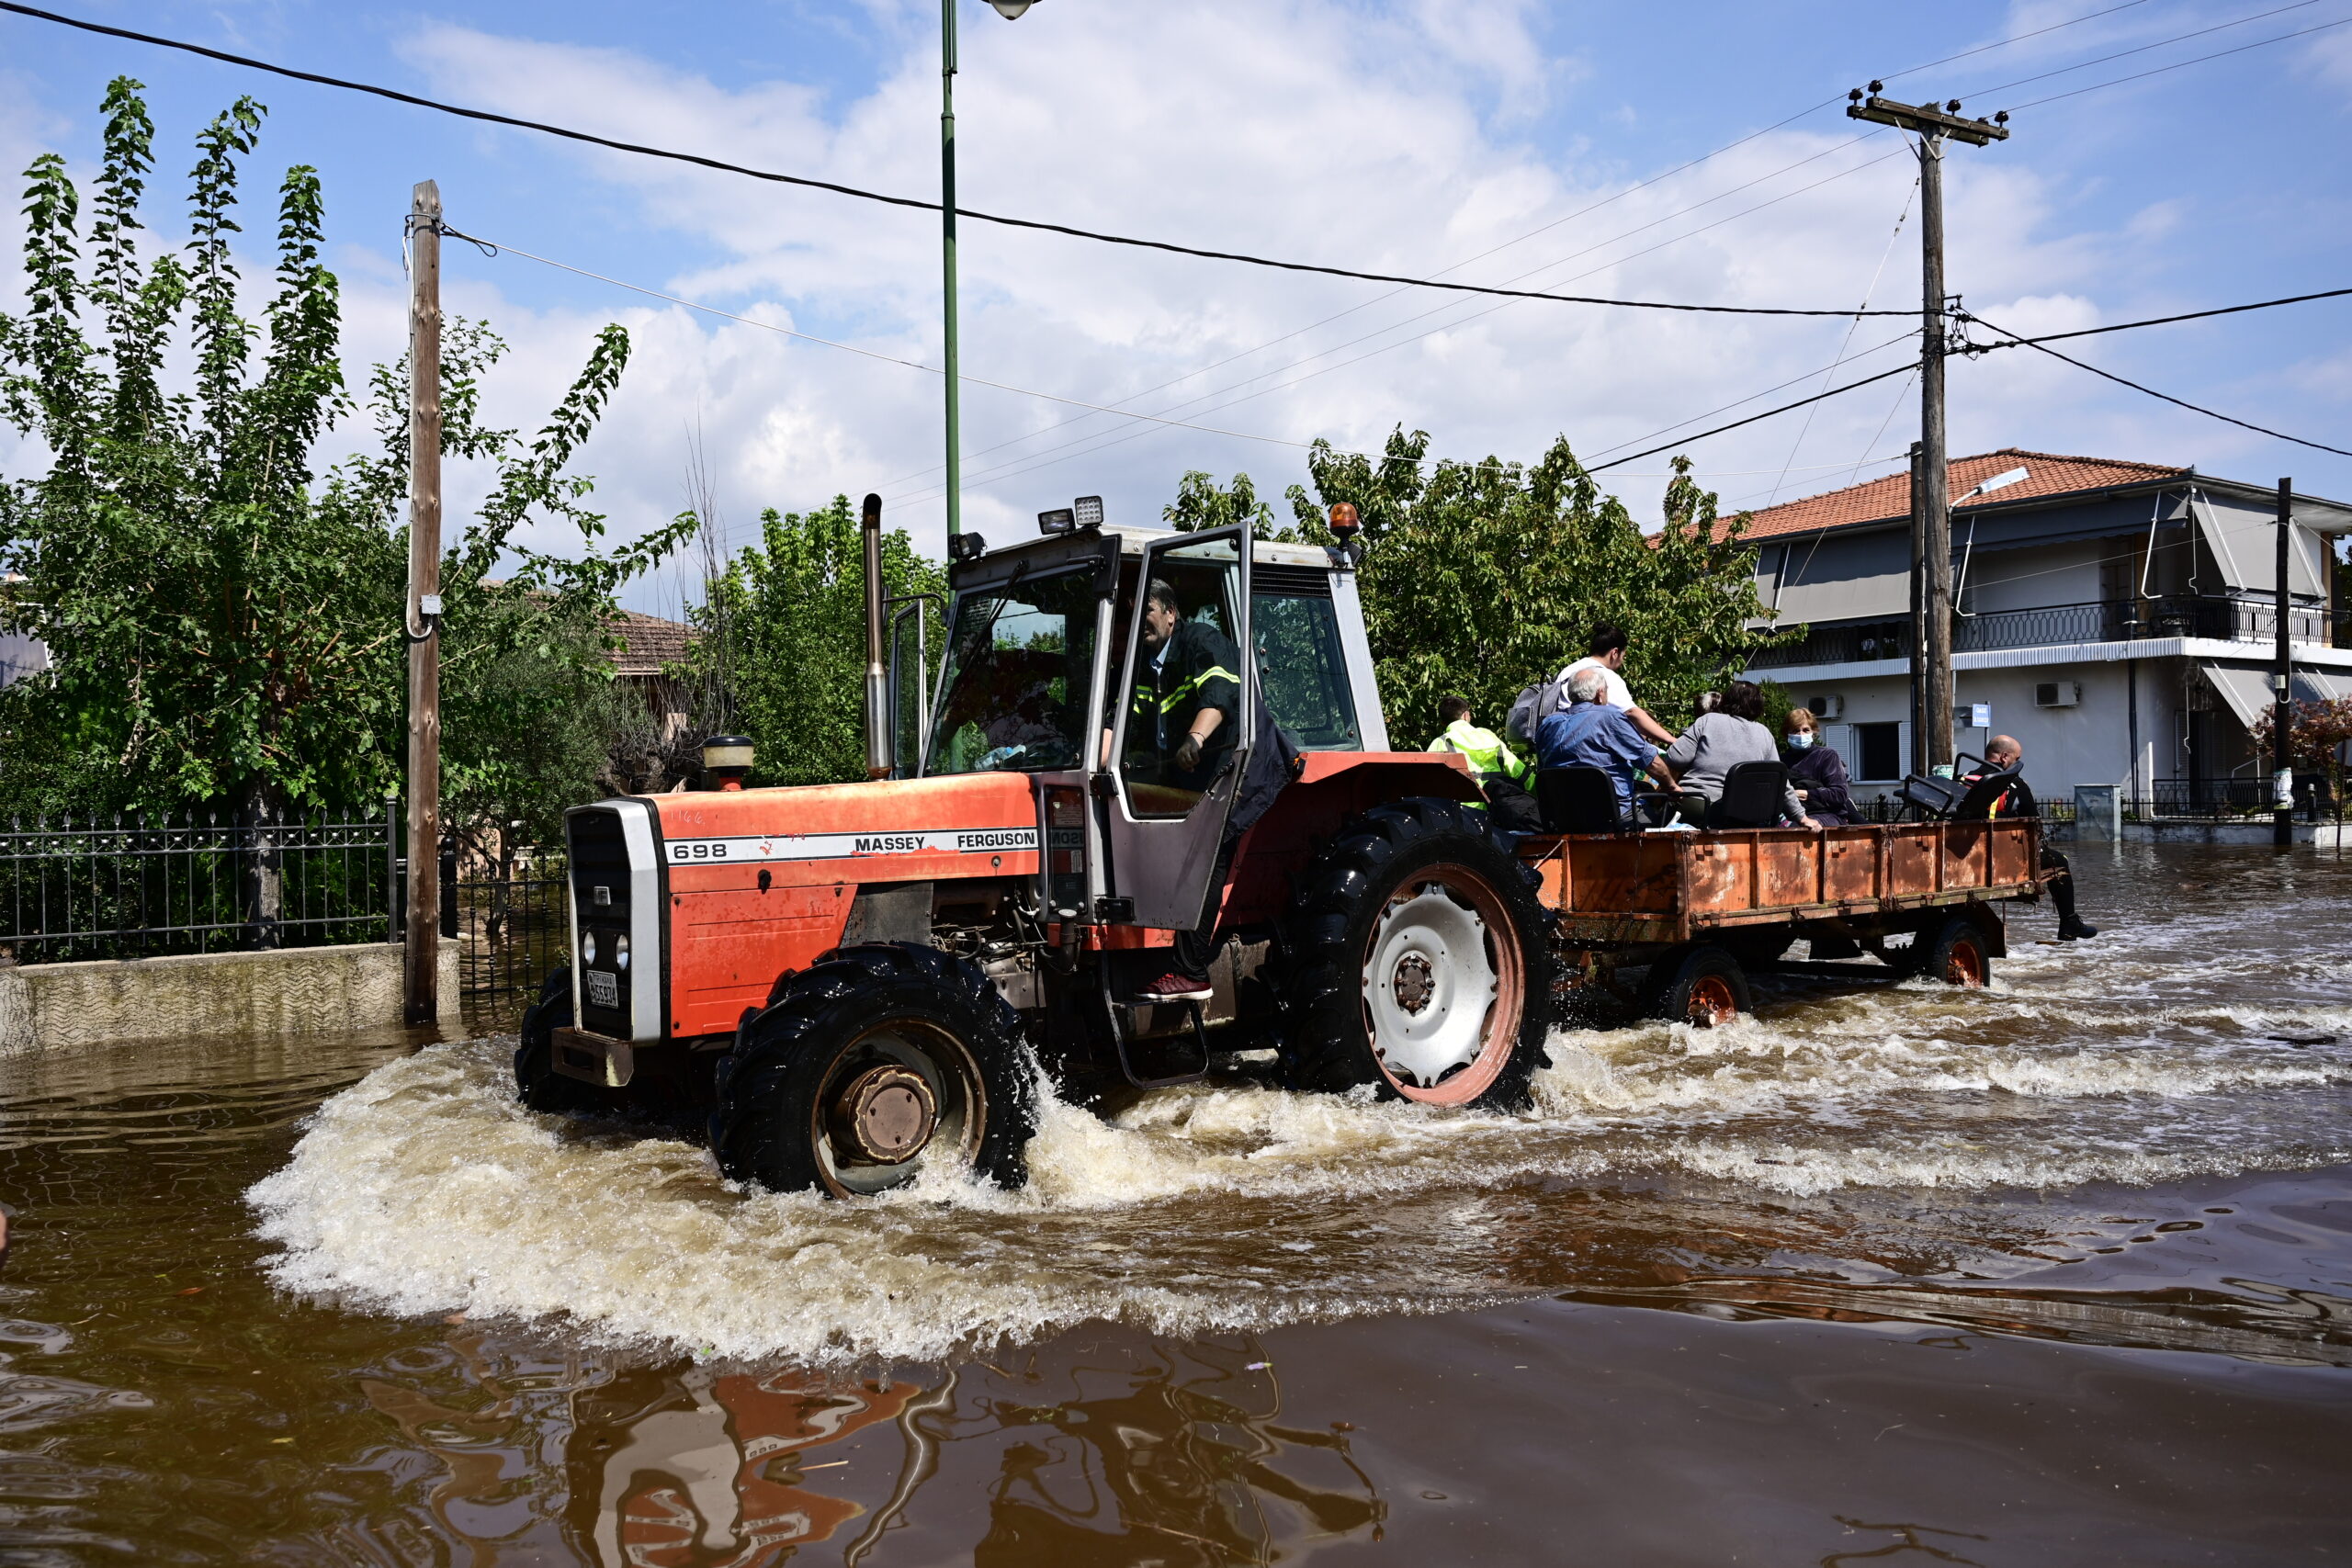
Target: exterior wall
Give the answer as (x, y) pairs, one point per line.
(302, 990)
(2029, 578)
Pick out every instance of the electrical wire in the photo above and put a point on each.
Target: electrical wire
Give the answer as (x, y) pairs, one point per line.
(2148, 322)
(908, 201)
(2178, 64)
(1013, 467)
(2140, 49)
(493, 247)
(1852, 327)
(1580, 212)
(1751, 419)
(2166, 397)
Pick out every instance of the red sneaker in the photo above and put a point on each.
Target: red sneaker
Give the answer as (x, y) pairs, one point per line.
(1173, 987)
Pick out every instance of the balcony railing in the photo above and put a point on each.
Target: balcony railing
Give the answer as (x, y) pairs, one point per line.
(2217, 616)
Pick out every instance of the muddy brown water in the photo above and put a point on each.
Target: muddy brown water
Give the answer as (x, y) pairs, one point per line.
(2059, 1273)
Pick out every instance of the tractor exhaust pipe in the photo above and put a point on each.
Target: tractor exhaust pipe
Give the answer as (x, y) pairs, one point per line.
(878, 762)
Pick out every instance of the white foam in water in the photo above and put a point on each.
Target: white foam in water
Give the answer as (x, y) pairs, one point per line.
(426, 1189)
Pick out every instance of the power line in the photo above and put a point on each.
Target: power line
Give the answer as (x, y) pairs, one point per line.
(2180, 403)
(495, 247)
(1751, 419)
(862, 195)
(1580, 212)
(2148, 322)
(2178, 64)
(2140, 49)
(1103, 439)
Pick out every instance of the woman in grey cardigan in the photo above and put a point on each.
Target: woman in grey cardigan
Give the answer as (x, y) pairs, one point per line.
(1716, 743)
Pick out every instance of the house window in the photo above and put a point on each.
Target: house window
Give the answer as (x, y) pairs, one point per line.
(1877, 751)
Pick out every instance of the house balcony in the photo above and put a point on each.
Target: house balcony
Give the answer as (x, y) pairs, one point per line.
(2202, 617)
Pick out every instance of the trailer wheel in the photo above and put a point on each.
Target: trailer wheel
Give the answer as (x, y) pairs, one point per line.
(1705, 990)
(874, 1063)
(1957, 955)
(1416, 959)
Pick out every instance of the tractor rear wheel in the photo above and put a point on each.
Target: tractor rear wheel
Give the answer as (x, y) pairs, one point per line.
(1416, 959)
(879, 1062)
(536, 1083)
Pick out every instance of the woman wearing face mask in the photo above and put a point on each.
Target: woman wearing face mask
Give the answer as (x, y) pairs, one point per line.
(1816, 772)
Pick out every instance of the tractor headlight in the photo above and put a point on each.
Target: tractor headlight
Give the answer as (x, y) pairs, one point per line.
(587, 948)
(620, 952)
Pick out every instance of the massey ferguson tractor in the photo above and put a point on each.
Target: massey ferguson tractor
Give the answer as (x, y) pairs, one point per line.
(1108, 843)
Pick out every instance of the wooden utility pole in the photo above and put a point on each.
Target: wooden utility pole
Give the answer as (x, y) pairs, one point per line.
(421, 991)
(1931, 481)
(2282, 758)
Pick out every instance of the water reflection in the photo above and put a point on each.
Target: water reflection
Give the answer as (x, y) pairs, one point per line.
(1180, 1461)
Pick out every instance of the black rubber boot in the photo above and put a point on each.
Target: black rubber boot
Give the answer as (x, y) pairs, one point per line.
(2072, 928)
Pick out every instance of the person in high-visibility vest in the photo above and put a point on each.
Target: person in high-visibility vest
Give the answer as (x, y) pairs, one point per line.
(1486, 751)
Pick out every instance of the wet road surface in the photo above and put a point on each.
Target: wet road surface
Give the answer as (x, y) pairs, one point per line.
(2059, 1273)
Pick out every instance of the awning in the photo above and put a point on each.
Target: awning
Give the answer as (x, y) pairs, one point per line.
(2247, 689)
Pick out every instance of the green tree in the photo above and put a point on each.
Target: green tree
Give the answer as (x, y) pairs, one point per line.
(1201, 504)
(224, 623)
(1480, 578)
(785, 622)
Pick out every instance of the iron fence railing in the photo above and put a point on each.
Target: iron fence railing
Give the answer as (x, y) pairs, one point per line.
(136, 886)
(2224, 799)
(513, 928)
(2217, 616)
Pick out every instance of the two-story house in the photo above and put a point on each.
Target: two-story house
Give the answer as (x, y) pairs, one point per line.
(2117, 617)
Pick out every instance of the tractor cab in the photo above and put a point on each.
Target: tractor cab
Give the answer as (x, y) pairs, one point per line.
(1052, 670)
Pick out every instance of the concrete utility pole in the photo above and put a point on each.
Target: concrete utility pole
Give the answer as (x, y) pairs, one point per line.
(1930, 489)
(421, 990)
(1917, 761)
(2282, 759)
(947, 262)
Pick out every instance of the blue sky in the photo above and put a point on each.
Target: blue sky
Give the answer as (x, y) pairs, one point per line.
(1406, 136)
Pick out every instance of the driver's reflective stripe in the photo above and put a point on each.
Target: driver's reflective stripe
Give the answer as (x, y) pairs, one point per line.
(1168, 704)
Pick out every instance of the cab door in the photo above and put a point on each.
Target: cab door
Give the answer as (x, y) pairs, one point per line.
(1167, 810)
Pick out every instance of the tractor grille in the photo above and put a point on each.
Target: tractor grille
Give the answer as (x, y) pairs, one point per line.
(601, 908)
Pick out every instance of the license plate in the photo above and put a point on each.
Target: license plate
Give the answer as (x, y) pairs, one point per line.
(603, 990)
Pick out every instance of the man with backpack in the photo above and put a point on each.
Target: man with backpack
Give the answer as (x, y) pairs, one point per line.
(1604, 651)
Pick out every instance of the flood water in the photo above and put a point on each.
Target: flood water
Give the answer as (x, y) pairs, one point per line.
(2059, 1273)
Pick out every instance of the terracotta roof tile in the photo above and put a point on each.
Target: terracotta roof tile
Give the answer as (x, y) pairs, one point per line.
(1885, 500)
(649, 642)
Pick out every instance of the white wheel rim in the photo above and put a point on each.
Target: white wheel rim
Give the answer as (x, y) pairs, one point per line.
(1430, 949)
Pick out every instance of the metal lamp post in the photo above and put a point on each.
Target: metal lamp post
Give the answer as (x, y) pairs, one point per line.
(1011, 11)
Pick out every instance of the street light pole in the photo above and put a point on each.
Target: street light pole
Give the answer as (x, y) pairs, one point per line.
(1011, 10)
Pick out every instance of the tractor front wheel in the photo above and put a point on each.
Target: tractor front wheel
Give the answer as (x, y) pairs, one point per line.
(536, 1083)
(1416, 960)
(875, 1064)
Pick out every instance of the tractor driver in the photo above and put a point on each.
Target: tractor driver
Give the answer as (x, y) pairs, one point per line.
(1186, 689)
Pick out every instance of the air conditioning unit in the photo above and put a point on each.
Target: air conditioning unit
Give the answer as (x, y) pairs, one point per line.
(1832, 707)
(2058, 694)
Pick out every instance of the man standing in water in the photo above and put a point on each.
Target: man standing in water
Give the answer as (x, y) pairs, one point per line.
(2001, 754)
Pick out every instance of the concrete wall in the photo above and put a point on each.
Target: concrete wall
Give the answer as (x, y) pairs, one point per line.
(303, 991)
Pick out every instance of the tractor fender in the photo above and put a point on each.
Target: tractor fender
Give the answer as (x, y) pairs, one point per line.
(1987, 920)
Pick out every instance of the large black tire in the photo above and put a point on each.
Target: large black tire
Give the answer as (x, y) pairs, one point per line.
(536, 1083)
(821, 1091)
(1703, 989)
(1409, 918)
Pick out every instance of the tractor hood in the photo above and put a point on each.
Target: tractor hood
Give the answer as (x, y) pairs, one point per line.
(907, 824)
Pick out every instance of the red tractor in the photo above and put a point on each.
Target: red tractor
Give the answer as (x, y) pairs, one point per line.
(858, 979)
(1110, 845)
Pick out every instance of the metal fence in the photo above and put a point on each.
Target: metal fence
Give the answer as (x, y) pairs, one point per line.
(138, 887)
(513, 928)
(2227, 800)
(2225, 617)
